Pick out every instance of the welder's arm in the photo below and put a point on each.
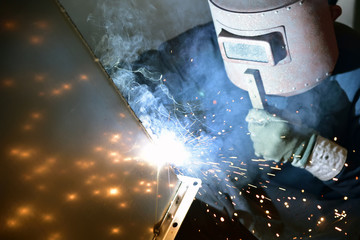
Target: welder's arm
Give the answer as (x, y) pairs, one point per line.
(276, 139)
(326, 160)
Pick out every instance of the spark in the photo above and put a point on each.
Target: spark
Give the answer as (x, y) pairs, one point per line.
(341, 215)
(113, 154)
(55, 236)
(9, 25)
(66, 86)
(12, 223)
(98, 149)
(115, 138)
(21, 153)
(338, 229)
(115, 230)
(36, 115)
(242, 174)
(231, 163)
(8, 82)
(275, 168)
(212, 163)
(241, 169)
(41, 187)
(123, 205)
(56, 92)
(28, 127)
(85, 164)
(258, 160)
(36, 40)
(83, 77)
(39, 78)
(71, 197)
(263, 165)
(113, 191)
(41, 24)
(47, 218)
(24, 211)
(266, 198)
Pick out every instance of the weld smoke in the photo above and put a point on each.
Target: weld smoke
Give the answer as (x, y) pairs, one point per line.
(210, 125)
(123, 33)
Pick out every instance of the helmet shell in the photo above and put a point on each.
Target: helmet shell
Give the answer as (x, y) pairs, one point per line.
(308, 41)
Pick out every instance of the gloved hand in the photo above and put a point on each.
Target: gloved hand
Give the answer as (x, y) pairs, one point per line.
(276, 139)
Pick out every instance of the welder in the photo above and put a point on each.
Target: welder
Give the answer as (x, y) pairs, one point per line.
(282, 41)
(298, 115)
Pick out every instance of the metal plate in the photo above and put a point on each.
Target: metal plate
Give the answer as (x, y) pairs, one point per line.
(71, 150)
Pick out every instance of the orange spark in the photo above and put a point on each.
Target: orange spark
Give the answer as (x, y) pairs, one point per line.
(8, 82)
(84, 77)
(36, 40)
(9, 25)
(71, 197)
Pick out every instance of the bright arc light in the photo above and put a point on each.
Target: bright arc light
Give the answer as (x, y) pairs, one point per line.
(166, 149)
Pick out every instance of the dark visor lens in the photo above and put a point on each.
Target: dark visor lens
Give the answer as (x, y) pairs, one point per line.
(246, 52)
(264, 49)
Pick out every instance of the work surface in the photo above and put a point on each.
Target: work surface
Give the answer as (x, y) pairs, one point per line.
(71, 163)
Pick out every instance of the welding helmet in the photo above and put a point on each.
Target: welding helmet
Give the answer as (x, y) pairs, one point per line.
(290, 42)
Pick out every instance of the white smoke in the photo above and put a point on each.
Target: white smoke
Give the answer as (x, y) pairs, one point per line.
(124, 29)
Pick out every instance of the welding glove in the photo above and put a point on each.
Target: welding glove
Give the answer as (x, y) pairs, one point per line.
(276, 139)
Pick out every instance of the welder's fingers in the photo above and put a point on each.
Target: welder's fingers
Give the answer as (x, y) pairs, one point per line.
(254, 130)
(276, 131)
(262, 151)
(261, 117)
(256, 116)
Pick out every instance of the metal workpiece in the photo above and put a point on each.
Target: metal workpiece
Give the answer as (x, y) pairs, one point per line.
(175, 214)
(72, 165)
(289, 52)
